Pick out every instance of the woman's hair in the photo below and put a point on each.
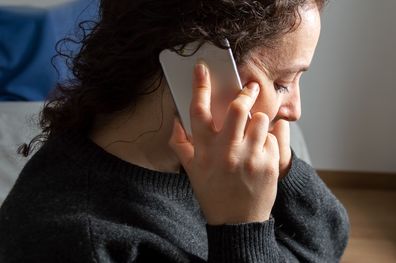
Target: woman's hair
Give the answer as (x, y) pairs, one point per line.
(118, 60)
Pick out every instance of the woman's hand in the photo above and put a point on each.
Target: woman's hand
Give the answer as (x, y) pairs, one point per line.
(234, 171)
(281, 131)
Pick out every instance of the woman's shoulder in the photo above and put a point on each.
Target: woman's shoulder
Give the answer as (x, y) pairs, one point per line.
(49, 169)
(49, 185)
(56, 158)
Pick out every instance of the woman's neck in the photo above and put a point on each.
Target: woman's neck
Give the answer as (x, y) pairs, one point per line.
(140, 136)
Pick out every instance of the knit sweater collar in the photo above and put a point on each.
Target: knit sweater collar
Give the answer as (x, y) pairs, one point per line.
(90, 156)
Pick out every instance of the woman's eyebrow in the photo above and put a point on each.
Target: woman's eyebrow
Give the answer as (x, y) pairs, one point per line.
(293, 69)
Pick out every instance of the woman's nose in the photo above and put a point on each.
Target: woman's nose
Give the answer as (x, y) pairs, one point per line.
(290, 109)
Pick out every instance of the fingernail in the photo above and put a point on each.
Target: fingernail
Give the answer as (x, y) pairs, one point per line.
(253, 86)
(200, 70)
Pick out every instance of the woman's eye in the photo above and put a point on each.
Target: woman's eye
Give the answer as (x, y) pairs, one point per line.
(281, 88)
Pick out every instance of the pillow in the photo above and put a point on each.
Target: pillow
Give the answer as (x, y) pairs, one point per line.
(28, 36)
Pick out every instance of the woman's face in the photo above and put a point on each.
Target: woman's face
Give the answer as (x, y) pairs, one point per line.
(278, 70)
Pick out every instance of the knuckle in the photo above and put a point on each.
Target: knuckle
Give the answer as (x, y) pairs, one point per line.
(272, 169)
(250, 166)
(231, 163)
(261, 117)
(238, 108)
(247, 99)
(203, 91)
(202, 86)
(198, 110)
(272, 174)
(272, 139)
(246, 93)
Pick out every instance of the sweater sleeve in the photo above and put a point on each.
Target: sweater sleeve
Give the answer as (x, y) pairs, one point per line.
(247, 242)
(308, 224)
(311, 224)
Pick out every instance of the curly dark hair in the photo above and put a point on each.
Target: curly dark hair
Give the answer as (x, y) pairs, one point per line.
(123, 48)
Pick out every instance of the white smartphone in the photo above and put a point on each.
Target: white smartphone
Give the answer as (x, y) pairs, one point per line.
(225, 80)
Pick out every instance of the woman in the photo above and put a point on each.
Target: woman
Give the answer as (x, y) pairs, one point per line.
(117, 179)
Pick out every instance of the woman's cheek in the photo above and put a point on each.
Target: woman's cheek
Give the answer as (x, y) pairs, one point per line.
(267, 102)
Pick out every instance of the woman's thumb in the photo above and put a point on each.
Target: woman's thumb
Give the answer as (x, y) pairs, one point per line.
(181, 145)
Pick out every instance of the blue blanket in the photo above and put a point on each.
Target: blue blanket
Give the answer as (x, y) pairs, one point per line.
(27, 44)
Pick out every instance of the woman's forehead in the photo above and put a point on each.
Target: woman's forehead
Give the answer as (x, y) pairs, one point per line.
(293, 52)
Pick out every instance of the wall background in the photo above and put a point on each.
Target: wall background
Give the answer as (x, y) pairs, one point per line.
(349, 93)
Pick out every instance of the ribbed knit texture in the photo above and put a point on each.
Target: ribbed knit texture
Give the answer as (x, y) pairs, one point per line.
(74, 202)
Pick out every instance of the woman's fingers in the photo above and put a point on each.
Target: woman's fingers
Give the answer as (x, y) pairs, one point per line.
(181, 145)
(271, 147)
(232, 185)
(256, 132)
(201, 119)
(234, 125)
(200, 114)
(281, 131)
(258, 139)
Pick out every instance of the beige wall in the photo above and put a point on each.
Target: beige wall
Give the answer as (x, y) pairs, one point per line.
(349, 94)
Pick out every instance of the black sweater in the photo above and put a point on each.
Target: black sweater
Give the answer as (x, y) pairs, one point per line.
(74, 202)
